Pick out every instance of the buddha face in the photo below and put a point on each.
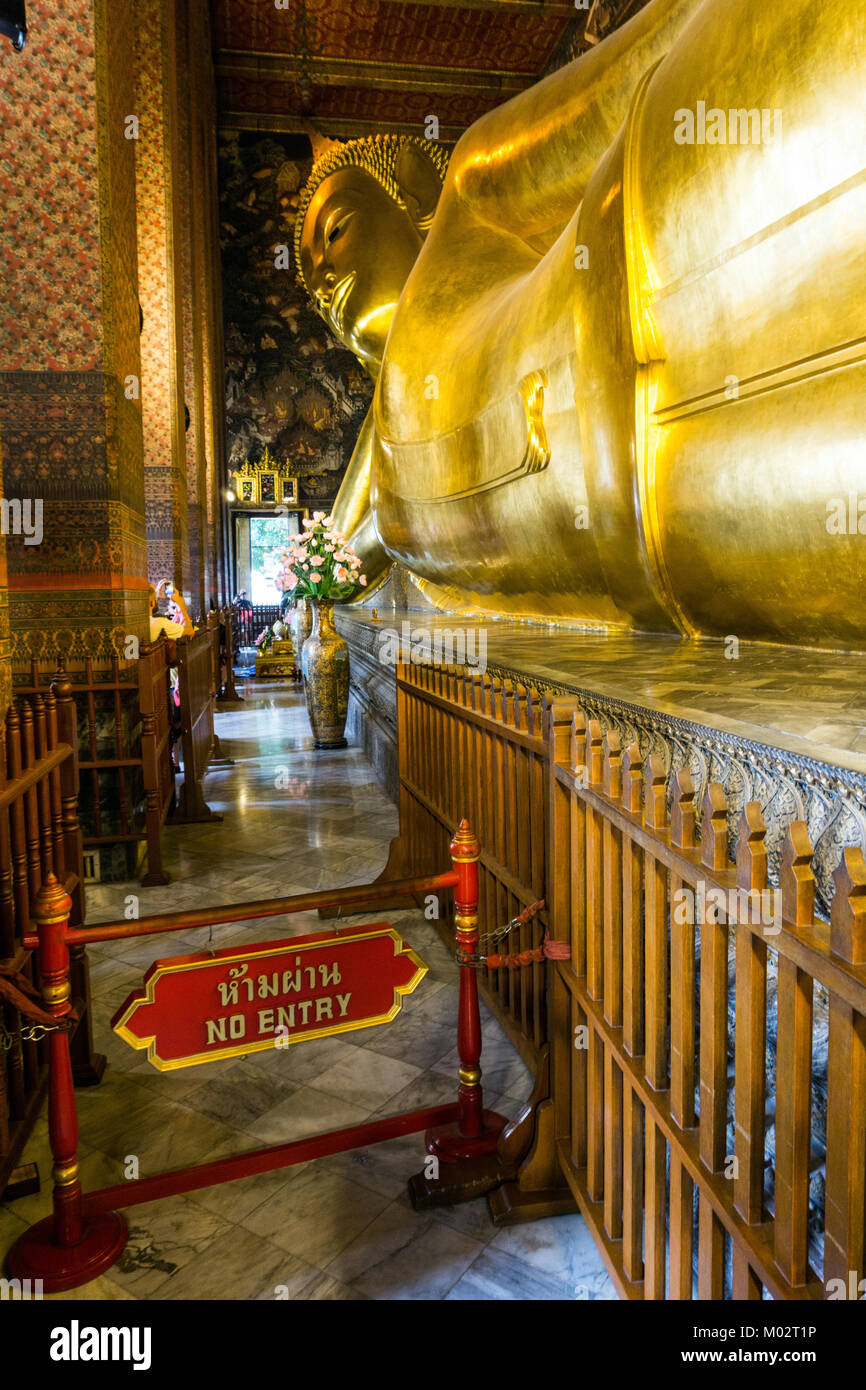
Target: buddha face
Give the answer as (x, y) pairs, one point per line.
(357, 249)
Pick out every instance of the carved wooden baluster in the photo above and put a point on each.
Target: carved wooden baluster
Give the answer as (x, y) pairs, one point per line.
(714, 1037)
(470, 750)
(486, 789)
(17, 1084)
(577, 755)
(31, 797)
(750, 1099)
(498, 816)
(440, 764)
(594, 902)
(93, 750)
(521, 799)
(794, 1065)
(632, 1019)
(612, 884)
(538, 843)
(577, 884)
(613, 949)
(532, 710)
(845, 1212)
(449, 773)
(520, 698)
(53, 738)
(46, 831)
(632, 919)
(848, 913)
(682, 948)
(656, 1064)
(67, 727)
(481, 773)
(561, 870)
(683, 962)
(455, 725)
(427, 783)
(532, 935)
(594, 966)
(498, 810)
(18, 838)
(8, 942)
(33, 867)
(655, 900)
(119, 751)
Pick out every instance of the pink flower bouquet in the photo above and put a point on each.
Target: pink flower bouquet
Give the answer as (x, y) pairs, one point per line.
(320, 563)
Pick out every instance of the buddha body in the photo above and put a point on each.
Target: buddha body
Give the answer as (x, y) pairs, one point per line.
(619, 353)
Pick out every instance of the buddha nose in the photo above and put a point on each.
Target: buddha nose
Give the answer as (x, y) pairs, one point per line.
(325, 281)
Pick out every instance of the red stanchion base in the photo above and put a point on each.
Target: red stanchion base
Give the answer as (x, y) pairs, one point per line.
(450, 1146)
(35, 1255)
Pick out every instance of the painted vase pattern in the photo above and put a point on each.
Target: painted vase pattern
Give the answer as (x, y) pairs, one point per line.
(301, 624)
(325, 666)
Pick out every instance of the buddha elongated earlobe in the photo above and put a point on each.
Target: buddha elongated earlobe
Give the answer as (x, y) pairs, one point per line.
(420, 184)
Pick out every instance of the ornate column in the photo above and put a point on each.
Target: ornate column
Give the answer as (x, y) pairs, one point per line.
(160, 277)
(69, 342)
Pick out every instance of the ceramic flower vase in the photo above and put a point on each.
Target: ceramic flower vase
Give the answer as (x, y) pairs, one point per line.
(300, 622)
(325, 667)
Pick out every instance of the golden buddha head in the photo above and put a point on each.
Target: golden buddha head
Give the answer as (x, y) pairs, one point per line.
(362, 218)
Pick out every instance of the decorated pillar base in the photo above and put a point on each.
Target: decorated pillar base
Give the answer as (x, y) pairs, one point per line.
(35, 1255)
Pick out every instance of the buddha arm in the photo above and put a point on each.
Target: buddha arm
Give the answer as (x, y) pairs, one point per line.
(524, 167)
(351, 511)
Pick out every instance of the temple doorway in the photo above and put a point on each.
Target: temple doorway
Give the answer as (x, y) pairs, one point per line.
(258, 543)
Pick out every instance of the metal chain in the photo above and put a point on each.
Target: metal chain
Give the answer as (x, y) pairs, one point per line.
(33, 1032)
(499, 932)
(476, 960)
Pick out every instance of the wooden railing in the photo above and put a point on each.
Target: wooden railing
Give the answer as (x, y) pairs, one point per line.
(39, 834)
(477, 742)
(123, 740)
(197, 668)
(709, 1034)
(707, 1038)
(225, 621)
(248, 623)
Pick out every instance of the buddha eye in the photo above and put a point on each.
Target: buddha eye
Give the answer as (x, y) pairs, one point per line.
(338, 226)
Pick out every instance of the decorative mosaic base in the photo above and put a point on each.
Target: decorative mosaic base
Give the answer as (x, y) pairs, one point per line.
(770, 691)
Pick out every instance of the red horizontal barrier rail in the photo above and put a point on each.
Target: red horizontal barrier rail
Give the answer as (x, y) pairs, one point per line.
(260, 907)
(87, 1233)
(130, 1194)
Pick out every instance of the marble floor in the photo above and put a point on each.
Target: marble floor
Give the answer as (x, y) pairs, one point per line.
(336, 1228)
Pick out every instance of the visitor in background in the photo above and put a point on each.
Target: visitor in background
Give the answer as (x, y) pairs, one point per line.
(179, 623)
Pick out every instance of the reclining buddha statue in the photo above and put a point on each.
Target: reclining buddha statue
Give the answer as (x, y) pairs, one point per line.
(618, 337)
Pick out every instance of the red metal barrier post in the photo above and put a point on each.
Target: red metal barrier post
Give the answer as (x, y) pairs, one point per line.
(477, 1130)
(68, 1248)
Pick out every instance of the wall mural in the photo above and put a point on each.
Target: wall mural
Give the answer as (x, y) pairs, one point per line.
(290, 386)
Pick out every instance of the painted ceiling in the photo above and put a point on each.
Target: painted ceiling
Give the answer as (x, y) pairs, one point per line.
(357, 66)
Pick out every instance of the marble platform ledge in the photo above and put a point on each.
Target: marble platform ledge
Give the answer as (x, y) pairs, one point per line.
(782, 726)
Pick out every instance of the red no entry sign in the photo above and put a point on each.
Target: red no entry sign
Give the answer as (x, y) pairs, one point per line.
(227, 1003)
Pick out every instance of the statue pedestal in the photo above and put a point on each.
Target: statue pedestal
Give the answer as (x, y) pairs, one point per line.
(278, 662)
